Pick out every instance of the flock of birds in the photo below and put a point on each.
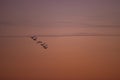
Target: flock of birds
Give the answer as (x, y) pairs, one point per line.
(43, 44)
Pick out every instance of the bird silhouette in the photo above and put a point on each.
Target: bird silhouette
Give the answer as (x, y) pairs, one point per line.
(34, 38)
(44, 45)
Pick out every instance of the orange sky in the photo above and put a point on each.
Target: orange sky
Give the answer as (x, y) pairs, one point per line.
(67, 58)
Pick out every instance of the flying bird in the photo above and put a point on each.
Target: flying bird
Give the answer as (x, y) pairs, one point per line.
(44, 45)
(34, 38)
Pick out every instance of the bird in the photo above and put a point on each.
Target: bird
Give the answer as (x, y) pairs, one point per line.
(34, 38)
(44, 45)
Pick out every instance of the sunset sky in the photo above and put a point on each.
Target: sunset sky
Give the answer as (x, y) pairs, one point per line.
(67, 58)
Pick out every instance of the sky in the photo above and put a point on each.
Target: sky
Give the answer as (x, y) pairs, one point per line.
(67, 58)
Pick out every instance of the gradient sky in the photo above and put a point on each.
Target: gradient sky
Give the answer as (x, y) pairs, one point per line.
(67, 58)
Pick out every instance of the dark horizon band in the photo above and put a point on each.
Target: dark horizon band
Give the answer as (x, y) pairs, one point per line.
(66, 35)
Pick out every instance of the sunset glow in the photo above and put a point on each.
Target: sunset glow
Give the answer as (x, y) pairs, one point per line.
(94, 54)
